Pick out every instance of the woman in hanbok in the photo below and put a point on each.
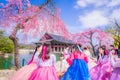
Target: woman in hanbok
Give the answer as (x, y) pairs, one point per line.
(116, 67)
(116, 71)
(62, 66)
(25, 72)
(102, 71)
(66, 52)
(46, 66)
(78, 69)
(91, 60)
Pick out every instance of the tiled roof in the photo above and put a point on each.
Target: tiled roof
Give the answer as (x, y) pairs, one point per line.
(59, 38)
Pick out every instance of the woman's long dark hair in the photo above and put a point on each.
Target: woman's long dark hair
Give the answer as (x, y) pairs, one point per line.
(36, 49)
(47, 56)
(76, 48)
(34, 53)
(103, 48)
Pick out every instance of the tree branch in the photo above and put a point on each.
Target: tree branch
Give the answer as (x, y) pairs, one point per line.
(116, 23)
(48, 1)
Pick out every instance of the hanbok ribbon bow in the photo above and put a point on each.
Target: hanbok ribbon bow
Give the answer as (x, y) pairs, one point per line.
(44, 52)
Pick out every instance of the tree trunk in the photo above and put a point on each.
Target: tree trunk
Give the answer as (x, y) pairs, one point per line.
(91, 43)
(16, 52)
(93, 48)
(100, 43)
(16, 47)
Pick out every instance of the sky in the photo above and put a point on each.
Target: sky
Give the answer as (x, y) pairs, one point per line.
(79, 15)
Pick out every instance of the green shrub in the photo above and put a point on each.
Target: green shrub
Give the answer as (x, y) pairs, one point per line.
(6, 45)
(4, 61)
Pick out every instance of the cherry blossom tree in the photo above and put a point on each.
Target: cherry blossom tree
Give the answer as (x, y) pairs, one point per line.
(29, 20)
(93, 37)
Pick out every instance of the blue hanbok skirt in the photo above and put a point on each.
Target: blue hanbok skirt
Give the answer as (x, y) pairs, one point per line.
(77, 71)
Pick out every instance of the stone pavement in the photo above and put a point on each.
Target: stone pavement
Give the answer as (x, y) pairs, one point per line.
(5, 74)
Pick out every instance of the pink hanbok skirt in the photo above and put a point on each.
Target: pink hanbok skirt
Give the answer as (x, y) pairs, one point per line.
(115, 74)
(101, 71)
(25, 72)
(44, 73)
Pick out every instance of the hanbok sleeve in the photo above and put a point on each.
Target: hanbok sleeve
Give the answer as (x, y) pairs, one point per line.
(100, 61)
(54, 60)
(112, 52)
(62, 65)
(117, 64)
(112, 59)
(66, 54)
(69, 60)
(104, 59)
(85, 58)
(36, 58)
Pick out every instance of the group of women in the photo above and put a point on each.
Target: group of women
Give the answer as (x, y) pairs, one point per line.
(43, 66)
